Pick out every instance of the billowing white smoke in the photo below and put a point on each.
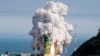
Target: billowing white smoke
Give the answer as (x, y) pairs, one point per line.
(50, 19)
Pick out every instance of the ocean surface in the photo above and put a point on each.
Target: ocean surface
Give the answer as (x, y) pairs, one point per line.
(22, 43)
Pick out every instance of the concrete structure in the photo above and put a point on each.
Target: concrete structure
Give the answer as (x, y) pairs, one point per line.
(21, 54)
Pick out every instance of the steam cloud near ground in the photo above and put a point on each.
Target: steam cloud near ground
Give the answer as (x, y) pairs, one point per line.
(50, 19)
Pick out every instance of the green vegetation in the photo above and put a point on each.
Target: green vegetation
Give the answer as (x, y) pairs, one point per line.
(90, 48)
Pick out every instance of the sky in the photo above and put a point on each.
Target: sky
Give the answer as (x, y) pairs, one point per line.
(16, 16)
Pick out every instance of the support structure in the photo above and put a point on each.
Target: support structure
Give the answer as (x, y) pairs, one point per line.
(75, 39)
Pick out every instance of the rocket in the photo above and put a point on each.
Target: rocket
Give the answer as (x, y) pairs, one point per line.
(50, 31)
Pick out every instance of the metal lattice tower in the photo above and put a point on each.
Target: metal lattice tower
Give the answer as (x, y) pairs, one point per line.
(75, 39)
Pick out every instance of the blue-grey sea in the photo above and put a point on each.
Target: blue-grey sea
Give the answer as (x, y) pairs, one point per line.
(22, 43)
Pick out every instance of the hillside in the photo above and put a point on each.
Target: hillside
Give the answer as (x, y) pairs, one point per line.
(89, 48)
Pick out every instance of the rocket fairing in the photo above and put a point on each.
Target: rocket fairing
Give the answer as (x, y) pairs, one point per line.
(50, 31)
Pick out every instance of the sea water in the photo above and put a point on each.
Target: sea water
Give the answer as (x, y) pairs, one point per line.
(22, 43)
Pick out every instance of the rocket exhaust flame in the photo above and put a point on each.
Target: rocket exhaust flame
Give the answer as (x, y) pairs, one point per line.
(49, 20)
(52, 50)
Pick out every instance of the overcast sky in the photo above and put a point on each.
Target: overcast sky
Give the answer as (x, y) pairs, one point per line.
(16, 15)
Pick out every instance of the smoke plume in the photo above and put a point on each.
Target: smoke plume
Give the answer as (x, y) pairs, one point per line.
(50, 20)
